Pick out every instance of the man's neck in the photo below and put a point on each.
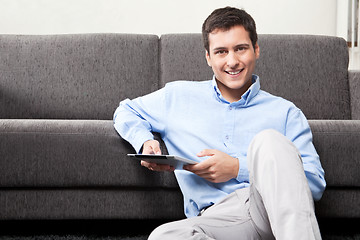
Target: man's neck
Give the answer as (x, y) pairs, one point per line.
(232, 95)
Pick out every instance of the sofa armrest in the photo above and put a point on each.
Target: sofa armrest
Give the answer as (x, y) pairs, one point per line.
(354, 84)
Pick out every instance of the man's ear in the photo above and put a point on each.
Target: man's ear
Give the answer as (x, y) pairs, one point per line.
(257, 51)
(207, 56)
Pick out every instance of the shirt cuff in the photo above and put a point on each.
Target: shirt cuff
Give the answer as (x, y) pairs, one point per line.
(243, 174)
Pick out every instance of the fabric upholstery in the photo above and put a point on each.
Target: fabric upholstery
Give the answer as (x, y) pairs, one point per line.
(339, 203)
(310, 71)
(80, 76)
(70, 153)
(182, 57)
(53, 153)
(354, 82)
(90, 203)
(336, 142)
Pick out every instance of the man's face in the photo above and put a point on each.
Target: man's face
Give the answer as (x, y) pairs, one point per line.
(232, 59)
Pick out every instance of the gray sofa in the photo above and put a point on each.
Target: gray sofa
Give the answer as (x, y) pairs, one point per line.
(61, 159)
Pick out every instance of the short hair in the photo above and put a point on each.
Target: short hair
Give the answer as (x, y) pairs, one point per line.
(226, 18)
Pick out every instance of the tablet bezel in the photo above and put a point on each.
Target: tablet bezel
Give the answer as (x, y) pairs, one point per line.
(175, 161)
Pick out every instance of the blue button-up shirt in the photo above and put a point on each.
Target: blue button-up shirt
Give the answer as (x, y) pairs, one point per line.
(192, 116)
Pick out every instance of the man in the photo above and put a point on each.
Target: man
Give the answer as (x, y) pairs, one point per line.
(258, 170)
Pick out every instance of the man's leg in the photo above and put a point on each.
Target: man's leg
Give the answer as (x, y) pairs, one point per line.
(279, 191)
(280, 200)
(228, 219)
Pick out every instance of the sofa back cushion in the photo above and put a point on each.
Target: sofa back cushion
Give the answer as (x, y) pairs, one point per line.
(311, 71)
(80, 76)
(354, 83)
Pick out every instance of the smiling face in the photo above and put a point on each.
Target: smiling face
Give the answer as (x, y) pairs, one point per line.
(232, 58)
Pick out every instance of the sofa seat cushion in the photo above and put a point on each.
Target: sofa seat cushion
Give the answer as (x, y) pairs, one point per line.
(60, 153)
(70, 153)
(336, 142)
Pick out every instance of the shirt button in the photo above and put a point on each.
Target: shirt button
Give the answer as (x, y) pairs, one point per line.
(230, 108)
(227, 137)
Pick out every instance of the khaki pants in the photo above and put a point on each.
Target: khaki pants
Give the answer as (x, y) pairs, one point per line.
(277, 205)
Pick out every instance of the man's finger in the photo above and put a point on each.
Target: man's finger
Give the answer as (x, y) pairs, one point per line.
(151, 147)
(199, 167)
(157, 167)
(206, 152)
(157, 150)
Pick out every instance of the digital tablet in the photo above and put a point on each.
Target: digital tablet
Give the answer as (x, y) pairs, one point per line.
(175, 161)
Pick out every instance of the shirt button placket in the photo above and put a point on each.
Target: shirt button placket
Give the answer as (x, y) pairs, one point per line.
(229, 123)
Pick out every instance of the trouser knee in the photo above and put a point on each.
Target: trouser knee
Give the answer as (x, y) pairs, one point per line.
(267, 137)
(268, 146)
(158, 233)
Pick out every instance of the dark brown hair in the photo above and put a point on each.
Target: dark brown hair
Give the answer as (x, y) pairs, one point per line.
(226, 18)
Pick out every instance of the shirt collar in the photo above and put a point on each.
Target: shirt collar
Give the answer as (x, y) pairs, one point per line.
(245, 98)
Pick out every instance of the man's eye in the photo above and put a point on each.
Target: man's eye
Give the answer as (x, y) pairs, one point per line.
(220, 52)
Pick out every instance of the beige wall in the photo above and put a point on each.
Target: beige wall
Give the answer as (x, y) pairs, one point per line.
(160, 16)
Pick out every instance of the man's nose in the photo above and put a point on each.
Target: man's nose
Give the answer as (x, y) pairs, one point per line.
(232, 60)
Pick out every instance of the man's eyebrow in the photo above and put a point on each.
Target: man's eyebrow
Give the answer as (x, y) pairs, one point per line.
(237, 46)
(242, 45)
(219, 48)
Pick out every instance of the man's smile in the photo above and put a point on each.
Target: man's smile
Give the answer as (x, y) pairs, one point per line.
(234, 72)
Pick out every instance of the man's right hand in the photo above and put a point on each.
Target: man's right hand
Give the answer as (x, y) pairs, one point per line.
(153, 147)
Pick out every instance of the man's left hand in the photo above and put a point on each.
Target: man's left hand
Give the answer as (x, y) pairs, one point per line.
(219, 167)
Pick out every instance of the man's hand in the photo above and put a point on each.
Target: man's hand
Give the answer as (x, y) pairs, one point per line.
(220, 167)
(153, 147)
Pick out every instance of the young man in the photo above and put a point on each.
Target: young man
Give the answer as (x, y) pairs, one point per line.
(258, 170)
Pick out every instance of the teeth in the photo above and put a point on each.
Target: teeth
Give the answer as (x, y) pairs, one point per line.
(234, 73)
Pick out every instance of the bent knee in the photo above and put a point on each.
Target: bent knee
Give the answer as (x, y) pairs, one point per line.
(182, 229)
(158, 233)
(171, 230)
(268, 135)
(270, 140)
(271, 143)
